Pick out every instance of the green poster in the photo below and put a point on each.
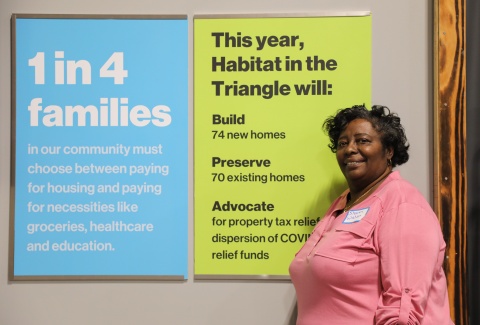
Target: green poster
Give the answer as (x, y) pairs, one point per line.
(263, 174)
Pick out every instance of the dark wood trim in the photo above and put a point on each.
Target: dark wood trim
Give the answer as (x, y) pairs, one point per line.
(450, 158)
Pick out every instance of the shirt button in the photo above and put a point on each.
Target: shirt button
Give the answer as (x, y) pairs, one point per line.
(407, 290)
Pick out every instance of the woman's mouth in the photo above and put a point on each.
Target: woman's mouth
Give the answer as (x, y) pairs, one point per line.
(353, 163)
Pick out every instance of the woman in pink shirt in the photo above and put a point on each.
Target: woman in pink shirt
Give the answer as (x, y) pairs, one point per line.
(376, 257)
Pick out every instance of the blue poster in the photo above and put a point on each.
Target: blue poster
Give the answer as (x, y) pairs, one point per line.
(101, 147)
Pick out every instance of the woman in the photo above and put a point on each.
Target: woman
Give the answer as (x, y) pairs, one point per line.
(376, 257)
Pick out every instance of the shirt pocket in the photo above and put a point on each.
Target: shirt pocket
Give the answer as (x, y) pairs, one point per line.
(345, 241)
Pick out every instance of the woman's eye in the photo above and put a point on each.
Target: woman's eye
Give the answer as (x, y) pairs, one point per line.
(363, 141)
(341, 144)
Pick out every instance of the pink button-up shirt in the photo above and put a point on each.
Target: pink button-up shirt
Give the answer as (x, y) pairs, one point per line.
(379, 263)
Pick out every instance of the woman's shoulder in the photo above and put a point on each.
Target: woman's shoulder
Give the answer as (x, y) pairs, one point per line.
(401, 202)
(398, 190)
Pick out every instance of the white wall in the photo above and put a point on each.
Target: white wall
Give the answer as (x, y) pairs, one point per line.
(402, 80)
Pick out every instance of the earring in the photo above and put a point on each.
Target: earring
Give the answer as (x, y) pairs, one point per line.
(389, 162)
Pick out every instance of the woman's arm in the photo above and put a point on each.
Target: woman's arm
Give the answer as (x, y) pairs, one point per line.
(411, 252)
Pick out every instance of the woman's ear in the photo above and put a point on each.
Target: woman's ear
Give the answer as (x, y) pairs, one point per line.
(389, 153)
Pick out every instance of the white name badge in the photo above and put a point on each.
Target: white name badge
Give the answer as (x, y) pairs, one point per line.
(355, 215)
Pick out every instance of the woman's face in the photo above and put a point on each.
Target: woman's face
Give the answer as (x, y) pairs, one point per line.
(361, 155)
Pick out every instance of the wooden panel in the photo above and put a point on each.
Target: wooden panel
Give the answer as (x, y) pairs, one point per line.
(450, 147)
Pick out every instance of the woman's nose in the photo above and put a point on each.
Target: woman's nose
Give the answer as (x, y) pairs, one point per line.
(351, 147)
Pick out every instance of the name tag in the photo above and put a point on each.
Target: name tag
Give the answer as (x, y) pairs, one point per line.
(355, 215)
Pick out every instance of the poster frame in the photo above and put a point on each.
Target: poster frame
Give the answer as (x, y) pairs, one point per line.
(318, 14)
(12, 217)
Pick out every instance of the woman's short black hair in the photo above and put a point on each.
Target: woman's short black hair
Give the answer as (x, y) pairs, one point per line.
(386, 123)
